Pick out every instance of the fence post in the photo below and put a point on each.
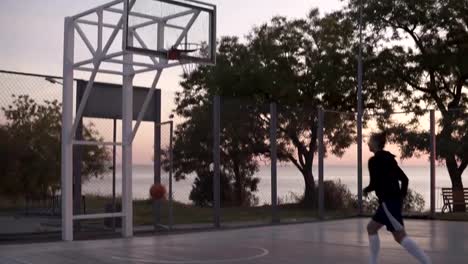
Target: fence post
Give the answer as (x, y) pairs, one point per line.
(171, 168)
(78, 157)
(114, 164)
(273, 154)
(216, 161)
(359, 165)
(433, 161)
(321, 154)
(157, 157)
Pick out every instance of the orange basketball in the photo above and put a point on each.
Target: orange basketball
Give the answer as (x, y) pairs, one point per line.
(157, 191)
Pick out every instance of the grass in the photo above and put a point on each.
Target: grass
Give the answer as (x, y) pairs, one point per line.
(189, 214)
(185, 214)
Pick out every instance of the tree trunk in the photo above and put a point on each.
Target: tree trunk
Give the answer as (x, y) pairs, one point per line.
(238, 189)
(458, 195)
(239, 199)
(309, 192)
(451, 163)
(452, 166)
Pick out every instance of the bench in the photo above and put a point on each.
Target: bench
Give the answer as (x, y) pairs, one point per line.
(448, 200)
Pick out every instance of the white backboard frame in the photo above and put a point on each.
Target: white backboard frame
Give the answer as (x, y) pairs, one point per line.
(163, 22)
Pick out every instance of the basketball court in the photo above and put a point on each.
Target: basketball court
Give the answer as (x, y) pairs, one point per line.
(132, 37)
(341, 241)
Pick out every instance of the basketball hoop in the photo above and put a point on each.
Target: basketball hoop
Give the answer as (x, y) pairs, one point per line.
(188, 67)
(173, 54)
(178, 53)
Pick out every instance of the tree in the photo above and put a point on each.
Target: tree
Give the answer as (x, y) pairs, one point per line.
(306, 64)
(413, 202)
(241, 139)
(424, 46)
(300, 64)
(30, 150)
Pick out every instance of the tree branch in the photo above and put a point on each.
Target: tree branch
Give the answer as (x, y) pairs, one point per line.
(295, 162)
(414, 85)
(295, 140)
(433, 93)
(312, 144)
(458, 93)
(416, 39)
(301, 157)
(446, 85)
(463, 166)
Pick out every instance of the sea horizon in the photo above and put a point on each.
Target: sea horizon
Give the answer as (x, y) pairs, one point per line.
(290, 181)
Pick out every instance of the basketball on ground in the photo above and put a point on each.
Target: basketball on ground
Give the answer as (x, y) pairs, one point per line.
(157, 191)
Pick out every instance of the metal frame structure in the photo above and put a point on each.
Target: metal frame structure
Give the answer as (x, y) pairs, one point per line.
(131, 66)
(195, 8)
(170, 224)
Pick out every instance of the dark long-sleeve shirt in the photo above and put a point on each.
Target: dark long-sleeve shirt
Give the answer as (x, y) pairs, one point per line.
(386, 176)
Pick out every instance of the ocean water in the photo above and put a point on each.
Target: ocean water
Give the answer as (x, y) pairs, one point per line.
(290, 181)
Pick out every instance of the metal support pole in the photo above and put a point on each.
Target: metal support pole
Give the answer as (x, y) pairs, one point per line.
(433, 161)
(273, 154)
(157, 136)
(321, 156)
(157, 158)
(171, 160)
(359, 116)
(217, 161)
(67, 119)
(127, 131)
(160, 44)
(114, 164)
(77, 158)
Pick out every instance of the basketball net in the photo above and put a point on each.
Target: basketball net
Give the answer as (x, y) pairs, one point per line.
(187, 66)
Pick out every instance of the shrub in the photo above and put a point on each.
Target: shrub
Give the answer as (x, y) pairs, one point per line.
(414, 203)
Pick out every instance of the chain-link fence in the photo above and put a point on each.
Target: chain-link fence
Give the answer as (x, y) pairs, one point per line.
(30, 155)
(452, 157)
(340, 170)
(245, 163)
(97, 169)
(30, 166)
(297, 162)
(152, 214)
(193, 169)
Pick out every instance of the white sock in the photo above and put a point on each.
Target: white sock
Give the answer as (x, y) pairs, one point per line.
(374, 245)
(415, 251)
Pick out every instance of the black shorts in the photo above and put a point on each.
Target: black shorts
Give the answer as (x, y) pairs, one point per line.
(389, 214)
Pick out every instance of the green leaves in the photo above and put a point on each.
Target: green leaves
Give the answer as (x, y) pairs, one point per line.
(30, 145)
(421, 54)
(300, 64)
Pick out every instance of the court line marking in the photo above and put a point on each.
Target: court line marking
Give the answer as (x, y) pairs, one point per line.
(263, 253)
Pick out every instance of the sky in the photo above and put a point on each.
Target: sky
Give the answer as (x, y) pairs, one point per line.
(32, 41)
(32, 31)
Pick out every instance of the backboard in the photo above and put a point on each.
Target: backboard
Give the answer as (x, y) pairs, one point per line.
(155, 27)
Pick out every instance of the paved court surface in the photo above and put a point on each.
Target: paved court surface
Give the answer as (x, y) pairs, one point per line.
(343, 241)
